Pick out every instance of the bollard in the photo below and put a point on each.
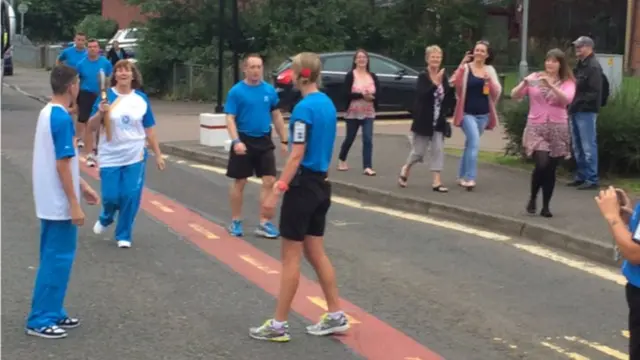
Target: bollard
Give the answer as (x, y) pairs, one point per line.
(213, 130)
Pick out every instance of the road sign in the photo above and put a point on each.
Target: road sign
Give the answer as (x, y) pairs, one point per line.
(23, 8)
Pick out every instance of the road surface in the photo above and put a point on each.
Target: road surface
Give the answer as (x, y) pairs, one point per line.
(415, 288)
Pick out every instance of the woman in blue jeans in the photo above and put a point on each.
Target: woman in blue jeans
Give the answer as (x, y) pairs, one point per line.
(478, 90)
(360, 87)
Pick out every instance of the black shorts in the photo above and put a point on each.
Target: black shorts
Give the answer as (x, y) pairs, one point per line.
(86, 100)
(633, 300)
(259, 159)
(305, 206)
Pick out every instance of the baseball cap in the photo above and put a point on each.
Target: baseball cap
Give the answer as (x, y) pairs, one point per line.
(584, 41)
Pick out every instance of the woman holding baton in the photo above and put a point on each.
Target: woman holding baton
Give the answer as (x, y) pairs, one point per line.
(126, 114)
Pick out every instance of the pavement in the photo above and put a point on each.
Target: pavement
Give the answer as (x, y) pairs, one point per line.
(415, 287)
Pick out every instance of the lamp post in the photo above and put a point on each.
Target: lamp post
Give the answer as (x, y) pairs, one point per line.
(219, 107)
(236, 36)
(524, 35)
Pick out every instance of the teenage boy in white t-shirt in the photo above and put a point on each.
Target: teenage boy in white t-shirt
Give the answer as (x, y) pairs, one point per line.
(56, 190)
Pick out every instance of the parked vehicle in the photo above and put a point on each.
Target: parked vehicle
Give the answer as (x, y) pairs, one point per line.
(7, 67)
(127, 38)
(397, 81)
(8, 32)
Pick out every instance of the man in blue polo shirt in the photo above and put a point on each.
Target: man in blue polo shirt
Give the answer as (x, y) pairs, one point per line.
(72, 55)
(56, 189)
(89, 71)
(251, 107)
(624, 224)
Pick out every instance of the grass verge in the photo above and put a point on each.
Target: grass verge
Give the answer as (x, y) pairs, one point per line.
(631, 185)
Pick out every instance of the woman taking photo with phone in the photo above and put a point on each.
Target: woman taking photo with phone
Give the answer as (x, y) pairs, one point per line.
(478, 90)
(434, 100)
(361, 89)
(546, 137)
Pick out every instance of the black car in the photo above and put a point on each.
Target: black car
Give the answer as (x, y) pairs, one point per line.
(397, 81)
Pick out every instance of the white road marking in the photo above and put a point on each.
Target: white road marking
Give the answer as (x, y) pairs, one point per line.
(582, 265)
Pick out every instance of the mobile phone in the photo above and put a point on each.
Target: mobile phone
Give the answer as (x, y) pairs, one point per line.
(470, 53)
(534, 82)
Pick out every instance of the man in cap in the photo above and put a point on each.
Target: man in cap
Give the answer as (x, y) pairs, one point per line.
(584, 112)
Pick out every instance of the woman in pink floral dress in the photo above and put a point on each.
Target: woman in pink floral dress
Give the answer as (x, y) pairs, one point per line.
(546, 136)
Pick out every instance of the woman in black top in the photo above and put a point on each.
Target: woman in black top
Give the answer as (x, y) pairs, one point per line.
(116, 53)
(361, 89)
(435, 101)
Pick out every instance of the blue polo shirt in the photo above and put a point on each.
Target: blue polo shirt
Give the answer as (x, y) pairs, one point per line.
(89, 73)
(252, 106)
(629, 270)
(313, 122)
(72, 56)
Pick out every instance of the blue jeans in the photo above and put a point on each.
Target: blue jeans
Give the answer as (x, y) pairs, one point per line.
(121, 188)
(585, 146)
(473, 126)
(58, 241)
(367, 140)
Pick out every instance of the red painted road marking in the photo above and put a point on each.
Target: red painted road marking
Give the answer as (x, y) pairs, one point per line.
(371, 338)
(213, 127)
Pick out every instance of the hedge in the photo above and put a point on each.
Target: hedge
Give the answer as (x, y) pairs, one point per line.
(618, 129)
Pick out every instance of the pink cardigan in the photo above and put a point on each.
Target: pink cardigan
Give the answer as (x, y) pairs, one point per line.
(460, 77)
(542, 109)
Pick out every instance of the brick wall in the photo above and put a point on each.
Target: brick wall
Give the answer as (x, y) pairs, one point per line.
(122, 13)
(634, 61)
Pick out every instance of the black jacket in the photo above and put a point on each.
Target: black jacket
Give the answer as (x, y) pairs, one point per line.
(588, 73)
(424, 102)
(349, 95)
(112, 55)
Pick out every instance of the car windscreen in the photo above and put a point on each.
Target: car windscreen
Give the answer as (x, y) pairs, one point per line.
(283, 66)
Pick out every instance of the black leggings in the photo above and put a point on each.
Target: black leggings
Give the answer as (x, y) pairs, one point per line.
(543, 176)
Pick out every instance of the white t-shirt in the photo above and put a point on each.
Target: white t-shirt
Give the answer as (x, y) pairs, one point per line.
(129, 119)
(54, 140)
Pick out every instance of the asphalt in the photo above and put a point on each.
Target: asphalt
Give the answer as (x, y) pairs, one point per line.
(463, 296)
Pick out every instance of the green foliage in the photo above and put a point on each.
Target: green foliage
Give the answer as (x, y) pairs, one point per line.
(618, 133)
(617, 128)
(285, 27)
(179, 31)
(514, 119)
(95, 26)
(54, 20)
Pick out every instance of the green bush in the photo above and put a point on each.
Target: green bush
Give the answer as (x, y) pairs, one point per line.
(514, 119)
(97, 27)
(618, 131)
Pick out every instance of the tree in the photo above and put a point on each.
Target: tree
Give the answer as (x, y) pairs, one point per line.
(178, 31)
(95, 26)
(51, 20)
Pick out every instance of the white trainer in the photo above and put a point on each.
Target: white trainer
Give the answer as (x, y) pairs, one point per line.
(123, 244)
(98, 228)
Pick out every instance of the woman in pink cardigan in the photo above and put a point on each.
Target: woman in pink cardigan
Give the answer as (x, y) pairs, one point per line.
(546, 136)
(478, 90)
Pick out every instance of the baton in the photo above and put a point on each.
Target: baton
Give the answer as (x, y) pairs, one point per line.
(106, 120)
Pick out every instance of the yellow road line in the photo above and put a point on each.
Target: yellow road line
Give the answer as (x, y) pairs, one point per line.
(602, 348)
(258, 264)
(625, 333)
(161, 206)
(321, 303)
(558, 349)
(203, 231)
(585, 266)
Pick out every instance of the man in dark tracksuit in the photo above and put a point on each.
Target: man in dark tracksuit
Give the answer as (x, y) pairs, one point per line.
(584, 112)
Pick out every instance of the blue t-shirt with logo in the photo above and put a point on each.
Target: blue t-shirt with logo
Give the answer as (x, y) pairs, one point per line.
(89, 73)
(252, 106)
(314, 121)
(629, 270)
(72, 56)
